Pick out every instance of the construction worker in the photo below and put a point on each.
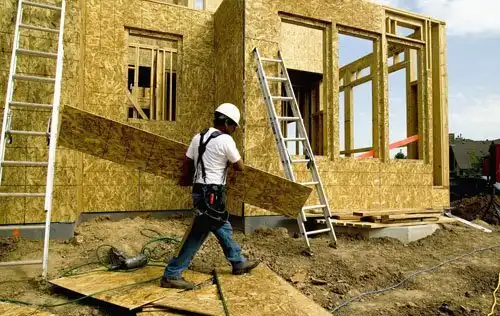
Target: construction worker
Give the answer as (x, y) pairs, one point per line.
(209, 155)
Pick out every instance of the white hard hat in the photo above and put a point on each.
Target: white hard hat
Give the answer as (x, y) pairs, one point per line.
(230, 110)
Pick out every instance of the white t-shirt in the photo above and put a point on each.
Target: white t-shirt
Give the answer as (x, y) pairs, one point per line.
(219, 151)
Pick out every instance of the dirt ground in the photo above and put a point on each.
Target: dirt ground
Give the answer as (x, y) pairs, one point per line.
(357, 265)
(478, 207)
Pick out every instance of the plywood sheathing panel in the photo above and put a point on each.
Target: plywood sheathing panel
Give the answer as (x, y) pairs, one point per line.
(113, 141)
(440, 198)
(262, 292)
(129, 297)
(205, 301)
(9, 309)
(229, 60)
(302, 46)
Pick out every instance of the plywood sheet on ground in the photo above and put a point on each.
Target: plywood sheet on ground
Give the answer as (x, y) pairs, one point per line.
(264, 293)
(8, 309)
(139, 149)
(205, 301)
(105, 283)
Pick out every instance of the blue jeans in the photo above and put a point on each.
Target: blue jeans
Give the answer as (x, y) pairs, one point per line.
(196, 236)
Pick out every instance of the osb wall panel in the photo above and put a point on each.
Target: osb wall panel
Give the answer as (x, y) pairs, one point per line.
(104, 88)
(229, 71)
(20, 179)
(141, 150)
(263, 22)
(302, 46)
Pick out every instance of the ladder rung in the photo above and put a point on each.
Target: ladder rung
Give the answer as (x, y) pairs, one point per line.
(310, 183)
(273, 60)
(300, 160)
(279, 98)
(27, 133)
(294, 139)
(35, 78)
(313, 207)
(38, 28)
(319, 231)
(37, 53)
(276, 79)
(13, 227)
(20, 263)
(7, 194)
(288, 118)
(25, 163)
(32, 105)
(42, 5)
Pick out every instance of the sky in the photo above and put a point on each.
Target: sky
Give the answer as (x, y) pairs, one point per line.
(473, 56)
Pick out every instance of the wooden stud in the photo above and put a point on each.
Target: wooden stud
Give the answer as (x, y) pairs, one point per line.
(348, 115)
(170, 106)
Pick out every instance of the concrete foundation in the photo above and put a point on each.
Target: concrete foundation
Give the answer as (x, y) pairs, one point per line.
(405, 234)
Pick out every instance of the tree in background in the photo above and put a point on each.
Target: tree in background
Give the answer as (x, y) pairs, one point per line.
(400, 155)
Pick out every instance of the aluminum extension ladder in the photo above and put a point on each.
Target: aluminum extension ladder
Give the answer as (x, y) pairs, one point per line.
(281, 141)
(12, 105)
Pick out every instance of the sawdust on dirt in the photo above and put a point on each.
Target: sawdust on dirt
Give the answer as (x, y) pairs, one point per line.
(329, 277)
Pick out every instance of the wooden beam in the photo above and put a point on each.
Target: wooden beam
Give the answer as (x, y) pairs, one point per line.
(411, 101)
(356, 151)
(357, 65)
(356, 82)
(136, 105)
(398, 66)
(348, 115)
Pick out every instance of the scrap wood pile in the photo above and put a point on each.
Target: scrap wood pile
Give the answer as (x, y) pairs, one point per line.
(390, 218)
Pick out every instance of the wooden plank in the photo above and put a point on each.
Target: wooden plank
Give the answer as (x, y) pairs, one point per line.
(9, 309)
(442, 220)
(396, 211)
(262, 292)
(136, 104)
(204, 301)
(138, 149)
(347, 217)
(132, 296)
(412, 216)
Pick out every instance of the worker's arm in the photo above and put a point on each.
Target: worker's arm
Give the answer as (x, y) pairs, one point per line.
(187, 172)
(233, 155)
(239, 165)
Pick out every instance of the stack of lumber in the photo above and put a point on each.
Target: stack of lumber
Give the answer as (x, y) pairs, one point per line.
(390, 218)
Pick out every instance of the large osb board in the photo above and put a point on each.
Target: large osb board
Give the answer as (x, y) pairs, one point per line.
(104, 82)
(262, 292)
(302, 46)
(128, 295)
(205, 301)
(262, 19)
(229, 50)
(138, 149)
(9, 309)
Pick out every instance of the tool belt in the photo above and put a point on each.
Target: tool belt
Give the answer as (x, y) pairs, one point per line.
(213, 203)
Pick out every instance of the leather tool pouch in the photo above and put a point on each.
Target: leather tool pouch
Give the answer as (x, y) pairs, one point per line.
(213, 204)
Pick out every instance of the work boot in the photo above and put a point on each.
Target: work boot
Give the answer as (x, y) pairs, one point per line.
(244, 267)
(176, 283)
